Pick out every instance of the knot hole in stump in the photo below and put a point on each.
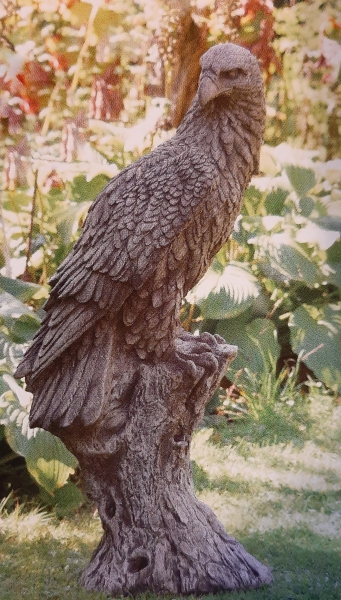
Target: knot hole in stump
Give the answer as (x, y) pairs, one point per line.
(110, 508)
(137, 564)
(180, 439)
(180, 445)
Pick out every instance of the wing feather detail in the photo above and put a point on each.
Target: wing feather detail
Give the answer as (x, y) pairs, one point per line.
(119, 250)
(154, 220)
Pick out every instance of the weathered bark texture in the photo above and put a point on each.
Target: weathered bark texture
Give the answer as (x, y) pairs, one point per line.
(186, 67)
(136, 467)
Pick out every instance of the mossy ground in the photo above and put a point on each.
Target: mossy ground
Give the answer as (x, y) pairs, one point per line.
(279, 495)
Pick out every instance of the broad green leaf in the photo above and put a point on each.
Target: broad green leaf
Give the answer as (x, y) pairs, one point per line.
(258, 349)
(317, 334)
(301, 179)
(283, 260)
(252, 201)
(47, 459)
(335, 274)
(267, 163)
(24, 328)
(333, 264)
(4, 370)
(11, 308)
(87, 190)
(67, 499)
(68, 220)
(17, 201)
(227, 294)
(11, 353)
(275, 200)
(22, 290)
(332, 222)
(307, 205)
(313, 234)
(15, 405)
(334, 253)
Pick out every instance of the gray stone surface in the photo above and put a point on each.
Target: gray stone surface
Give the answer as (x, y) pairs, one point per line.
(111, 370)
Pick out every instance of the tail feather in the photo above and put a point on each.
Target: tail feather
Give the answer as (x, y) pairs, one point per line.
(56, 336)
(58, 339)
(67, 364)
(73, 387)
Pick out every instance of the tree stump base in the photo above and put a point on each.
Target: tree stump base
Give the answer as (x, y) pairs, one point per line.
(136, 467)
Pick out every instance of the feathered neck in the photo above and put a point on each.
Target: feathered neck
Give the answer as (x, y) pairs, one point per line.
(230, 129)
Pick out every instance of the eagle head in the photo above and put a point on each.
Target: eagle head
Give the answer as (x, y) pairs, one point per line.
(228, 70)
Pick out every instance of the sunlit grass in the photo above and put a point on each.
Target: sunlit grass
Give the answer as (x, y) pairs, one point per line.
(257, 484)
(22, 524)
(280, 497)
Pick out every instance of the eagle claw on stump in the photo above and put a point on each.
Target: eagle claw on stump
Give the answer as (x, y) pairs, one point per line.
(111, 371)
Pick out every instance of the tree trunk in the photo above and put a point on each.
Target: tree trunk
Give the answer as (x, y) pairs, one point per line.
(136, 467)
(186, 67)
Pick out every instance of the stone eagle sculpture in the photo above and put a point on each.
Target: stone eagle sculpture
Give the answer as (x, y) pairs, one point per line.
(147, 240)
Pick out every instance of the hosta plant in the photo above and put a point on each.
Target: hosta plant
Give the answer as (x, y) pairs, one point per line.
(274, 289)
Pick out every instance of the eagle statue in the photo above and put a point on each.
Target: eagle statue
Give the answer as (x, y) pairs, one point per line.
(148, 239)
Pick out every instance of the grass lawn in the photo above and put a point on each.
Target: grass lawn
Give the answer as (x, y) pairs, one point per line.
(274, 481)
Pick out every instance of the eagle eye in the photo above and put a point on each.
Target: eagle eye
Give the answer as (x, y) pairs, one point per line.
(231, 73)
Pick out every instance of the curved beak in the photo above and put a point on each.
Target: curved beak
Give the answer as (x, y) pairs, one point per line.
(208, 88)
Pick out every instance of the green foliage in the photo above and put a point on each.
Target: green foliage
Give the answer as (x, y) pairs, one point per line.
(77, 105)
(276, 283)
(18, 324)
(47, 459)
(225, 293)
(304, 96)
(301, 179)
(316, 332)
(22, 290)
(257, 342)
(65, 500)
(280, 258)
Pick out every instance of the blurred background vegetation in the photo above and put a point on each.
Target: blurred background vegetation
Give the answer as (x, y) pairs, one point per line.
(85, 89)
